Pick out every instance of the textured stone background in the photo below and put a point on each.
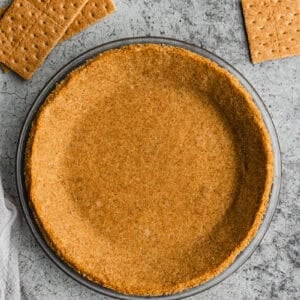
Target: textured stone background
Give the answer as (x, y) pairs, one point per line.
(273, 272)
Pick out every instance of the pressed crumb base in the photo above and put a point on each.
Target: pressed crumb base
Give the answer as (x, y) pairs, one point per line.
(149, 169)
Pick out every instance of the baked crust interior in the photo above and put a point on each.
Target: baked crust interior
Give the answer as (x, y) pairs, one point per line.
(149, 169)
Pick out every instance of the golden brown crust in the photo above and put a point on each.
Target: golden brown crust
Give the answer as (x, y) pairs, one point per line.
(150, 169)
(2, 11)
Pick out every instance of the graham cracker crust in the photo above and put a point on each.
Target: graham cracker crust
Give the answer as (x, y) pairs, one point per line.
(149, 169)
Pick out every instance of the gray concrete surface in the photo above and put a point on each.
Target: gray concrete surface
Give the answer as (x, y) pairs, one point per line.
(273, 272)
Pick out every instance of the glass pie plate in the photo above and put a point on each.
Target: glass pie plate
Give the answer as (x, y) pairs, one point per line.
(58, 77)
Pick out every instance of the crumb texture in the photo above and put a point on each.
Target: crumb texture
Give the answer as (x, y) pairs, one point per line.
(149, 169)
(2, 11)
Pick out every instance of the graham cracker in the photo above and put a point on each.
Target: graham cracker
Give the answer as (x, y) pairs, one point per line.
(31, 28)
(2, 12)
(273, 28)
(93, 11)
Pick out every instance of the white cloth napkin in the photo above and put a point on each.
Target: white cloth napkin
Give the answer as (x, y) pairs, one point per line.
(9, 266)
